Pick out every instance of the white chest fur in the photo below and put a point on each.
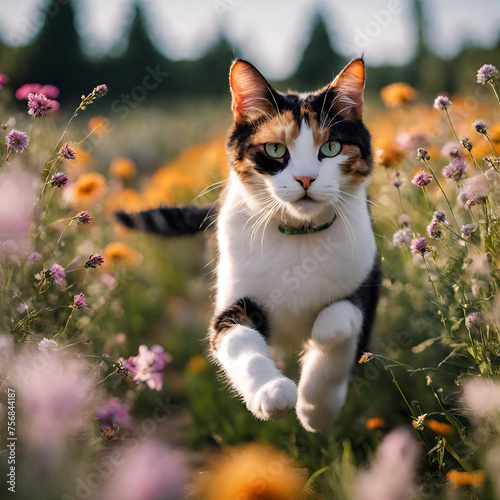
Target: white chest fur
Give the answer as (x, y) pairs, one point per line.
(293, 277)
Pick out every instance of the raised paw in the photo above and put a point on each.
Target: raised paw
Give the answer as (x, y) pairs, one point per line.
(274, 399)
(337, 323)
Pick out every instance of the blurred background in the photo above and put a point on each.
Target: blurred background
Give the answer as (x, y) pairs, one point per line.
(158, 137)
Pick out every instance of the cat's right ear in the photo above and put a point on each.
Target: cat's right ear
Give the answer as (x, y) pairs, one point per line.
(252, 95)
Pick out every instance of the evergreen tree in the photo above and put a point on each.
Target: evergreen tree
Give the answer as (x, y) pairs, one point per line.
(320, 62)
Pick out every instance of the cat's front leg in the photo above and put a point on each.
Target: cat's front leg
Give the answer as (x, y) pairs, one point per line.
(327, 363)
(239, 346)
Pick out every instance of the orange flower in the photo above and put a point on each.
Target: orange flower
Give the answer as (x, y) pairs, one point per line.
(126, 199)
(459, 478)
(89, 188)
(375, 423)
(397, 94)
(122, 167)
(197, 364)
(254, 471)
(100, 124)
(441, 428)
(119, 253)
(388, 156)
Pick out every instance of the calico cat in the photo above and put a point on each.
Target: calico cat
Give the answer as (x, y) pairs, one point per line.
(297, 261)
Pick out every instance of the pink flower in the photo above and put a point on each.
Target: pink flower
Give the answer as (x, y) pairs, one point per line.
(39, 105)
(54, 394)
(83, 217)
(17, 140)
(34, 257)
(22, 93)
(79, 302)
(475, 190)
(421, 179)
(402, 237)
(94, 260)
(418, 245)
(57, 274)
(455, 170)
(59, 180)
(47, 346)
(146, 367)
(392, 474)
(67, 152)
(149, 472)
(441, 102)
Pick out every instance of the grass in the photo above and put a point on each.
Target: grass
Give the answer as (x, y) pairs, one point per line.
(424, 351)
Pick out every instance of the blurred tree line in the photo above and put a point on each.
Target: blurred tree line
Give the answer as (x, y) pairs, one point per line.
(56, 57)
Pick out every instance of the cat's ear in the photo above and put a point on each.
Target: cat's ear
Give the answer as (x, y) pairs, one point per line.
(350, 82)
(252, 95)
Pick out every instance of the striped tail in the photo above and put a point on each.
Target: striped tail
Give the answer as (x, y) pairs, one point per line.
(170, 221)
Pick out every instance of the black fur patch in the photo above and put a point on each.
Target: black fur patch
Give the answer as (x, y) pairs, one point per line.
(170, 221)
(246, 312)
(366, 298)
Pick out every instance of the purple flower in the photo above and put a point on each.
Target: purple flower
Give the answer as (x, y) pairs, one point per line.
(57, 274)
(83, 217)
(9, 248)
(67, 152)
(113, 415)
(402, 237)
(149, 471)
(422, 154)
(34, 256)
(404, 219)
(38, 105)
(486, 73)
(474, 191)
(455, 170)
(468, 229)
(17, 140)
(439, 216)
(450, 149)
(418, 245)
(47, 346)
(480, 126)
(474, 321)
(433, 230)
(59, 180)
(441, 102)
(146, 367)
(4, 79)
(79, 302)
(421, 179)
(101, 90)
(94, 260)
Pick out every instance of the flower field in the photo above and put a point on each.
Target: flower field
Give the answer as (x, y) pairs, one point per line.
(106, 391)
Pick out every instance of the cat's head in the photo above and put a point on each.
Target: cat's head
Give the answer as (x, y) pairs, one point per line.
(299, 153)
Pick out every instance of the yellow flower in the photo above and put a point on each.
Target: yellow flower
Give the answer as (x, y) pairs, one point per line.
(441, 428)
(397, 94)
(119, 253)
(197, 364)
(89, 188)
(253, 472)
(122, 167)
(459, 478)
(375, 423)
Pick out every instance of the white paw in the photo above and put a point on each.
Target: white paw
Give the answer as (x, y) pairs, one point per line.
(274, 399)
(318, 415)
(337, 323)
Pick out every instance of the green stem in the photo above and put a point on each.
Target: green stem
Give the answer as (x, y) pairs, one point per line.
(492, 85)
(442, 191)
(6, 159)
(427, 200)
(491, 144)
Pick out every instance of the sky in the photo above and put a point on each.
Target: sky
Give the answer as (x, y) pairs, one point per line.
(270, 33)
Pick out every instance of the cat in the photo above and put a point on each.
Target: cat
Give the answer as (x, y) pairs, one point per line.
(297, 262)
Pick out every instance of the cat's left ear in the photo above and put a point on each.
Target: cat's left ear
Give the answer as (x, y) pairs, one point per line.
(350, 82)
(252, 95)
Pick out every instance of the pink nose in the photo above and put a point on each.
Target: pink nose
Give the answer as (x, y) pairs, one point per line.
(305, 180)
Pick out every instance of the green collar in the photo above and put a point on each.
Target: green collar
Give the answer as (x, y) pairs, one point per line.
(306, 229)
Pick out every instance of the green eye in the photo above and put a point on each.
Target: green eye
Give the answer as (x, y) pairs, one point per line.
(330, 149)
(275, 149)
